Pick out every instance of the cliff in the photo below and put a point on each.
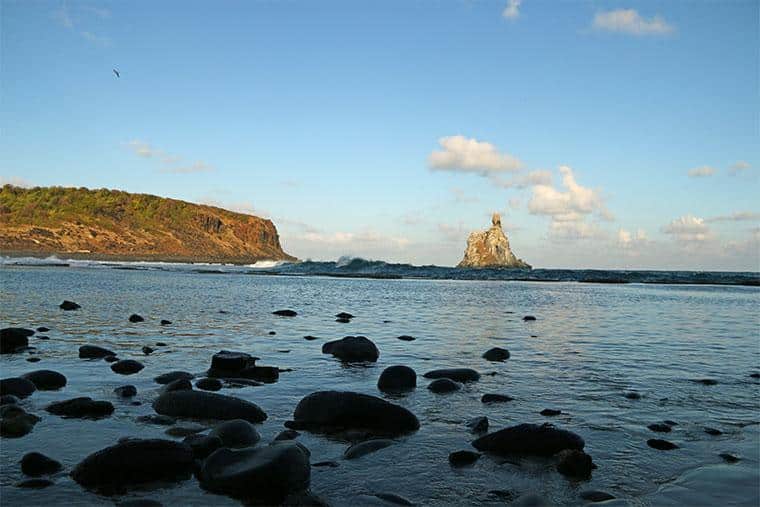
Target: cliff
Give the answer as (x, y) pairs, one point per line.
(111, 224)
(490, 249)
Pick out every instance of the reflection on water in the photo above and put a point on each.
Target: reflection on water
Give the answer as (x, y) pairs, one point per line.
(590, 345)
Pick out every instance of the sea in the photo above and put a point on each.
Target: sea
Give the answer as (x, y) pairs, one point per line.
(614, 351)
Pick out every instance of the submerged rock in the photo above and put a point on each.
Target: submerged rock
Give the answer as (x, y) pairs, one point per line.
(575, 463)
(127, 367)
(490, 249)
(406, 338)
(69, 305)
(180, 384)
(463, 458)
(35, 464)
(165, 322)
(135, 318)
(34, 483)
(352, 348)
(265, 474)
(209, 384)
(335, 411)
(236, 433)
(126, 391)
(528, 318)
(478, 424)
(285, 313)
(550, 412)
(397, 378)
(17, 386)
(83, 407)
(496, 354)
(543, 440)
(94, 352)
(368, 446)
(713, 431)
(134, 461)
(596, 496)
(14, 338)
(495, 398)
(662, 445)
(444, 385)
(166, 378)
(205, 405)
(46, 380)
(458, 374)
(660, 428)
(161, 420)
(15, 422)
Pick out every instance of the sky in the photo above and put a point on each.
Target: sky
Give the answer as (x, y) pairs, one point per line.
(614, 135)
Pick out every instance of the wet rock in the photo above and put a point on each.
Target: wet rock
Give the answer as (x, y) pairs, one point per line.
(285, 313)
(368, 446)
(271, 333)
(83, 407)
(266, 374)
(46, 380)
(335, 411)
(69, 305)
(135, 318)
(329, 464)
(632, 395)
(126, 366)
(134, 461)
(15, 422)
(33, 359)
(209, 384)
(161, 420)
(160, 344)
(140, 502)
(202, 445)
(14, 338)
(166, 378)
(755, 375)
(406, 338)
(596, 496)
(310, 338)
(463, 458)
(728, 458)
(236, 433)
(185, 430)
(41, 337)
(9, 399)
(342, 320)
(352, 348)
(35, 483)
(528, 318)
(165, 322)
(344, 315)
(226, 362)
(478, 424)
(457, 374)
(495, 398)
(706, 381)
(17, 386)
(550, 412)
(180, 384)
(444, 385)
(287, 435)
(659, 427)
(266, 474)
(110, 359)
(125, 391)
(496, 354)
(397, 378)
(575, 463)
(147, 350)
(662, 445)
(35, 464)
(94, 352)
(713, 431)
(205, 405)
(43, 329)
(543, 440)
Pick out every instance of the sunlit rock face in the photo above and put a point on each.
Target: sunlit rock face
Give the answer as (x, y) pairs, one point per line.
(490, 249)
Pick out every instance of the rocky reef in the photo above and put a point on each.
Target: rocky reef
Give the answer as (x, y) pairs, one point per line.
(490, 249)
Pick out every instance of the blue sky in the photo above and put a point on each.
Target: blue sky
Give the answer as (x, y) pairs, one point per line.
(608, 134)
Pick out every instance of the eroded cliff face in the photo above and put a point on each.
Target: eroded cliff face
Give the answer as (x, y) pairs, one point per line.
(490, 249)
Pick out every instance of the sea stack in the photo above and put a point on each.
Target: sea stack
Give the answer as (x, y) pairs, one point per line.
(490, 249)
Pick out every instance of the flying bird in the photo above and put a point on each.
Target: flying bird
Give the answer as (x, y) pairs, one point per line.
(116, 72)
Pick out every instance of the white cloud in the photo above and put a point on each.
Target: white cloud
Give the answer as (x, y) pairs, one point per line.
(688, 229)
(172, 164)
(464, 154)
(701, 172)
(512, 10)
(538, 177)
(738, 167)
(64, 18)
(573, 204)
(574, 230)
(354, 240)
(738, 216)
(630, 22)
(627, 239)
(15, 181)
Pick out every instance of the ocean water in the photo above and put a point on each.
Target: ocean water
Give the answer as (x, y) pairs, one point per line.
(591, 343)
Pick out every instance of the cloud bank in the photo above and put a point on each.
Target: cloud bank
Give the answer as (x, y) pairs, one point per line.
(629, 21)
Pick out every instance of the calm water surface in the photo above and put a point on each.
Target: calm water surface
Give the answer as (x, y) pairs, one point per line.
(589, 345)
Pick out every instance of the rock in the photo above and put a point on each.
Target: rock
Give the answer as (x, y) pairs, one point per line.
(397, 378)
(161, 420)
(165, 322)
(285, 313)
(543, 440)
(209, 384)
(69, 305)
(134, 461)
(659, 428)
(728, 458)
(41, 337)
(185, 430)
(755, 375)
(147, 350)
(495, 398)
(344, 315)
(110, 359)
(35, 483)
(550, 412)
(202, 445)
(490, 249)
(310, 338)
(343, 320)
(127, 366)
(166, 378)
(17, 386)
(35, 464)
(135, 318)
(496, 354)
(406, 338)
(329, 464)
(83, 407)
(632, 395)
(205, 405)
(712, 431)
(463, 458)
(94, 352)
(266, 374)
(43, 329)
(287, 435)
(478, 424)
(266, 474)
(33, 359)
(226, 363)
(706, 381)
(45, 380)
(352, 348)
(15, 421)
(236, 433)
(368, 446)
(662, 445)
(125, 391)
(528, 318)
(331, 411)
(160, 344)
(458, 374)
(14, 338)
(9, 399)
(575, 463)
(180, 384)
(444, 385)
(596, 496)
(140, 502)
